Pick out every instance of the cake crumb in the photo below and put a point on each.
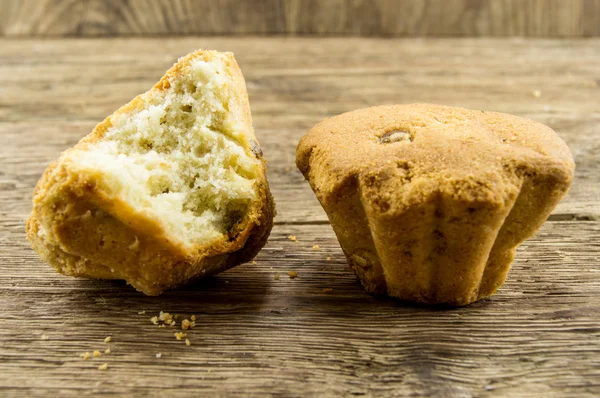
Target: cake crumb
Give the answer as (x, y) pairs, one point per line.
(185, 324)
(316, 247)
(328, 290)
(44, 337)
(292, 238)
(142, 312)
(187, 342)
(165, 316)
(180, 335)
(107, 351)
(107, 339)
(86, 355)
(293, 274)
(158, 355)
(104, 366)
(328, 258)
(276, 277)
(193, 317)
(254, 262)
(97, 354)
(536, 93)
(154, 320)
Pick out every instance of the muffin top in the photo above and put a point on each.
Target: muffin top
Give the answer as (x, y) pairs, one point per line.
(401, 155)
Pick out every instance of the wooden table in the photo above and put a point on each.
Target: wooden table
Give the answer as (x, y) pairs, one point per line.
(255, 335)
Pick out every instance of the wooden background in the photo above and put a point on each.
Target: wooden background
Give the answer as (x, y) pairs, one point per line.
(259, 332)
(83, 18)
(255, 335)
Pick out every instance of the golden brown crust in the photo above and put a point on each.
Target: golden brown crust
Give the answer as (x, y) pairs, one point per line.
(82, 230)
(429, 202)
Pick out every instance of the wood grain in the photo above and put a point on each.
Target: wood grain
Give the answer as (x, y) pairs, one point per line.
(60, 89)
(535, 18)
(539, 336)
(256, 336)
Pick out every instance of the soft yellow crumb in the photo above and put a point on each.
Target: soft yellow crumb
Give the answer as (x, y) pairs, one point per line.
(316, 247)
(158, 355)
(86, 355)
(104, 366)
(293, 238)
(44, 337)
(276, 277)
(536, 93)
(328, 258)
(254, 262)
(107, 351)
(293, 274)
(141, 312)
(107, 339)
(165, 317)
(187, 342)
(97, 353)
(180, 335)
(154, 320)
(193, 317)
(185, 324)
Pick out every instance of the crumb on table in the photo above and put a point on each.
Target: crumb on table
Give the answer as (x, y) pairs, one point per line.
(97, 354)
(187, 324)
(104, 366)
(276, 277)
(187, 342)
(293, 274)
(328, 258)
(316, 247)
(292, 238)
(107, 339)
(180, 335)
(86, 355)
(107, 351)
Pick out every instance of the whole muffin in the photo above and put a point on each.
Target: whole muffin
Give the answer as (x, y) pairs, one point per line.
(429, 202)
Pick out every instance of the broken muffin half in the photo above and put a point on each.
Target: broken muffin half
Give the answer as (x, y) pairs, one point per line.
(169, 188)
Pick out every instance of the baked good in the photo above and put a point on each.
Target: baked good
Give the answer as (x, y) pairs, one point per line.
(430, 202)
(169, 188)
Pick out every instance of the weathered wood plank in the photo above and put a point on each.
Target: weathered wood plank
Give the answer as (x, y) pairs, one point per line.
(538, 336)
(59, 89)
(537, 18)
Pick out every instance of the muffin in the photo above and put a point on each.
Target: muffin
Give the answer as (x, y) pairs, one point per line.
(169, 188)
(430, 202)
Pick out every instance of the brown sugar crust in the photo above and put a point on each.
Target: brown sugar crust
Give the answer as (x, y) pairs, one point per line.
(430, 202)
(82, 230)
